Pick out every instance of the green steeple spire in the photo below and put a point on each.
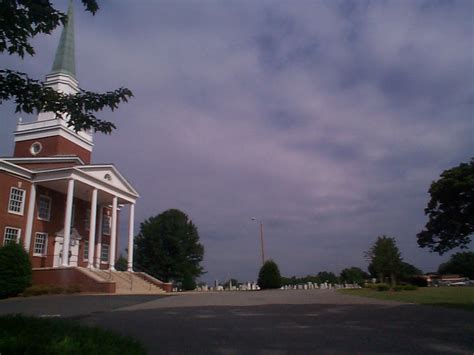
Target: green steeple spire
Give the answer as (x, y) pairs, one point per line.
(64, 61)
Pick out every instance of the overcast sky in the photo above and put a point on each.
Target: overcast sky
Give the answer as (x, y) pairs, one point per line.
(326, 120)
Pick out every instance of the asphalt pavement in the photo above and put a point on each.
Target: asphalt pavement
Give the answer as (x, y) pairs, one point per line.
(270, 322)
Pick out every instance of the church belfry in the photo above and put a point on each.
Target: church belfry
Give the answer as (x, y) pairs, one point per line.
(48, 135)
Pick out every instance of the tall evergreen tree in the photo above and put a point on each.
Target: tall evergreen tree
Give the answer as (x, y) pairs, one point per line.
(385, 258)
(168, 247)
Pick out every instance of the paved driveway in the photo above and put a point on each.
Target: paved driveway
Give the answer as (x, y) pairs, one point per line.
(282, 322)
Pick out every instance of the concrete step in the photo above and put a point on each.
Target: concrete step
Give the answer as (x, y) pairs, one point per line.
(127, 282)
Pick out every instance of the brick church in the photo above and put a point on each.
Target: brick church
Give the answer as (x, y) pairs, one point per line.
(53, 201)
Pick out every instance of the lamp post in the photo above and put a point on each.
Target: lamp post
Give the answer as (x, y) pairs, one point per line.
(261, 238)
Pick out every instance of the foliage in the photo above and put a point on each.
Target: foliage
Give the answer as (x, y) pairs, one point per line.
(319, 278)
(329, 277)
(459, 263)
(269, 275)
(450, 210)
(122, 263)
(454, 297)
(407, 271)
(29, 335)
(188, 283)
(353, 275)
(168, 247)
(385, 259)
(15, 270)
(22, 20)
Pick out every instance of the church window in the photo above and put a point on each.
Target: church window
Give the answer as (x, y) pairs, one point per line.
(44, 208)
(86, 250)
(12, 235)
(17, 201)
(36, 148)
(40, 244)
(87, 219)
(106, 223)
(104, 253)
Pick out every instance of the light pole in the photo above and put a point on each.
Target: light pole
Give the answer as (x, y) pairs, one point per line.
(261, 239)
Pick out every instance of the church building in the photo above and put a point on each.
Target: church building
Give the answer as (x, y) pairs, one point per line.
(53, 201)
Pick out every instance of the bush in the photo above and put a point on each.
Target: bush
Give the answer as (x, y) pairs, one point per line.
(269, 275)
(418, 281)
(383, 287)
(410, 288)
(15, 270)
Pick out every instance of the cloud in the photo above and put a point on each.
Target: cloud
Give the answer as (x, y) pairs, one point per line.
(327, 120)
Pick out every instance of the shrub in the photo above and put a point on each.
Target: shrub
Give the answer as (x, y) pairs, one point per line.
(269, 276)
(410, 288)
(15, 270)
(418, 281)
(382, 287)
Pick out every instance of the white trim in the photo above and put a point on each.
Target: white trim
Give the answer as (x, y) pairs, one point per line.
(18, 237)
(81, 176)
(22, 206)
(112, 167)
(36, 160)
(45, 245)
(50, 208)
(15, 169)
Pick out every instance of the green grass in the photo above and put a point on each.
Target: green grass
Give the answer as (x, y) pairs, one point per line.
(456, 297)
(30, 335)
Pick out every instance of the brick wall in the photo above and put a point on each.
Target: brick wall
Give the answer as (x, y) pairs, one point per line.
(65, 277)
(9, 219)
(55, 145)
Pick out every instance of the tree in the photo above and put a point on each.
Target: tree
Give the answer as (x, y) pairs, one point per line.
(168, 247)
(385, 259)
(325, 276)
(408, 271)
(450, 210)
(20, 21)
(121, 264)
(354, 275)
(15, 270)
(269, 275)
(459, 263)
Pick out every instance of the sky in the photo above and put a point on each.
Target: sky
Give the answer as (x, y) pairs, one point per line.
(325, 120)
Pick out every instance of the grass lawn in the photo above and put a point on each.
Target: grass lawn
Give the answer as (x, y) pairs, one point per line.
(30, 335)
(456, 297)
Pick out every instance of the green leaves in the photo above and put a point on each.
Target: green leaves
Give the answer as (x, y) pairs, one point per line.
(168, 247)
(450, 210)
(20, 21)
(32, 96)
(385, 258)
(269, 275)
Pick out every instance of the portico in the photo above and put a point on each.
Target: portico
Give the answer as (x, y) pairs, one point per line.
(104, 191)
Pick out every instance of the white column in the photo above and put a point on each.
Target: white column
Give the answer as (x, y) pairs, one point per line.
(67, 222)
(130, 237)
(113, 234)
(92, 228)
(99, 238)
(29, 218)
